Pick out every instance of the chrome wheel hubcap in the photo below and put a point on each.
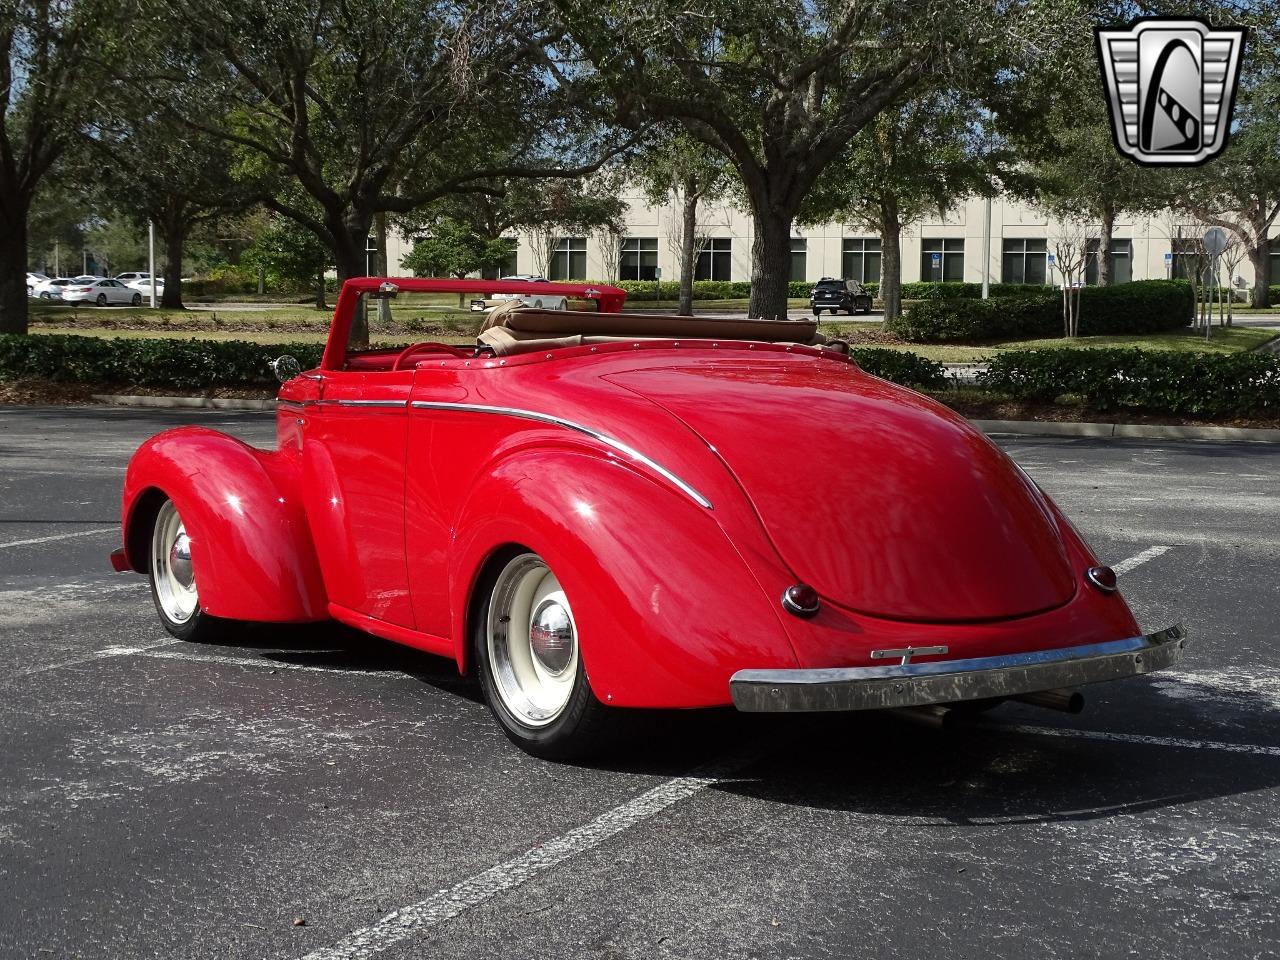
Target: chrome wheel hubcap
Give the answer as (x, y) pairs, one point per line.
(532, 642)
(171, 569)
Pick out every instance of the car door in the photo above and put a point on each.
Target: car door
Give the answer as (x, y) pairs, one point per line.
(354, 474)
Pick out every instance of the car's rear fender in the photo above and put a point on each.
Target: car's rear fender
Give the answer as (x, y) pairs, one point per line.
(665, 606)
(250, 546)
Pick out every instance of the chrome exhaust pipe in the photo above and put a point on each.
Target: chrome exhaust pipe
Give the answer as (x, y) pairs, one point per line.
(1068, 701)
(931, 715)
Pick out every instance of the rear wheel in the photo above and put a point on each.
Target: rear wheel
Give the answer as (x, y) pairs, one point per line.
(530, 663)
(173, 579)
(102, 300)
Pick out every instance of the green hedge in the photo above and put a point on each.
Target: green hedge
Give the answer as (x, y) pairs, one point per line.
(1159, 381)
(952, 290)
(181, 364)
(201, 364)
(908, 369)
(1146, 306)
(641, 290)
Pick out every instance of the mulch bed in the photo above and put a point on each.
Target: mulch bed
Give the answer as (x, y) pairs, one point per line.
(978, 407)
(44, 393)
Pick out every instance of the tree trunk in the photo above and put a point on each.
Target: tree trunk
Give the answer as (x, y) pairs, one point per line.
(174, 226)
(890, 256)
(688, 250)
(13, 274)
(770, 262)
(1106, 262)
(384, 269)
(1260, 257)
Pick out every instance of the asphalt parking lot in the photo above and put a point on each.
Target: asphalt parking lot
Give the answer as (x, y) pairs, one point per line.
(160, 799)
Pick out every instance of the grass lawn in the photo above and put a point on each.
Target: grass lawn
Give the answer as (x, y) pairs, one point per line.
(1224, 340)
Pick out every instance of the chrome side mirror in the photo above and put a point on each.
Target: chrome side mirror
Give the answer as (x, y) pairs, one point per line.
(286, 368)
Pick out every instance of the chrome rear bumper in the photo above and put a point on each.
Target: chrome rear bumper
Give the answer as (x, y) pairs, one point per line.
(948, 681)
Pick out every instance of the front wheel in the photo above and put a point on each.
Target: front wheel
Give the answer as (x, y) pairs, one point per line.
(137, 300)
(173, 579)
(44, 295)
(530, 664)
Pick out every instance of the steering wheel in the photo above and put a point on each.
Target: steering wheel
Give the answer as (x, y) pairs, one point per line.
(423, 347)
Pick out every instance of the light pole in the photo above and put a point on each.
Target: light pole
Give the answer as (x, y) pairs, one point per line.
(986, 250)
(151, 261)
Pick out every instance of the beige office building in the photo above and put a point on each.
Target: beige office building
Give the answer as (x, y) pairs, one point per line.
(950, 248)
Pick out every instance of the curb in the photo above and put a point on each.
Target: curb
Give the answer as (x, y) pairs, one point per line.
(1029, 428)
(169, 403)
(1145, 431)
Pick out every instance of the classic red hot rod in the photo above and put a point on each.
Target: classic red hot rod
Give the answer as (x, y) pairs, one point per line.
(593, 510)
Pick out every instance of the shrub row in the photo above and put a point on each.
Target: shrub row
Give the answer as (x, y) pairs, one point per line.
(1146, 306)
(201, 364)
(899, 366)
(181, 364)
(1159, 381)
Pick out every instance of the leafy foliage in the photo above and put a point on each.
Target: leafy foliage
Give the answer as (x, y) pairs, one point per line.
(1143, 307)
(180, 364)
(900, 366)
(454, 250)
(1209, 385)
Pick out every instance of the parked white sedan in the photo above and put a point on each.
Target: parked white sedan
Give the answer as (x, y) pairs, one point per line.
(51, 289)
(101, 292)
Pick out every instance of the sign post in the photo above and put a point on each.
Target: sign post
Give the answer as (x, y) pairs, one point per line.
(937, 265)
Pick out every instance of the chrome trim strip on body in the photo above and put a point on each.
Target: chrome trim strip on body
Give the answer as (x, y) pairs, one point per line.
(607, 440)
(388, 404)
(948, 681)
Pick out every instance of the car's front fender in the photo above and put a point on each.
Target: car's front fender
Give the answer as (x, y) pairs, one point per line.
(665, 606)
(250, 546)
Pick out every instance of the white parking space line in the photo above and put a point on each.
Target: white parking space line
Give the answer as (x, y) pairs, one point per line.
(96, 531)
(484, 886)
(1124, 566)
(264, 662)
(87, 658)
(1180, 743)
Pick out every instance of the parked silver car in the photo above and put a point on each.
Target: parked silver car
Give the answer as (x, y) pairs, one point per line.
(102, 293)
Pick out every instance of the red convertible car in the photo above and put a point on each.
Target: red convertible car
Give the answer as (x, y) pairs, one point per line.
(592, 510)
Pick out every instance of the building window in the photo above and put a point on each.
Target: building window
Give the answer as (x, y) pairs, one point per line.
(1121, 262)
(639, 259)
(1188, 257)
(799, 253)
(1275, 262)
(509, 267)
(714, 261)
(371, 256)
(1024, 261)
(860, 260)
(942, 260)
(569, 259)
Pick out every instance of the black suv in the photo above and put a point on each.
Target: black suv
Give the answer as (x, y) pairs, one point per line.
(837, 295)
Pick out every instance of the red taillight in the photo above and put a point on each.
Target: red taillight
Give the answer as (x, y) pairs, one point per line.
(801, 600)
(1104, 578)
(84, 289)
